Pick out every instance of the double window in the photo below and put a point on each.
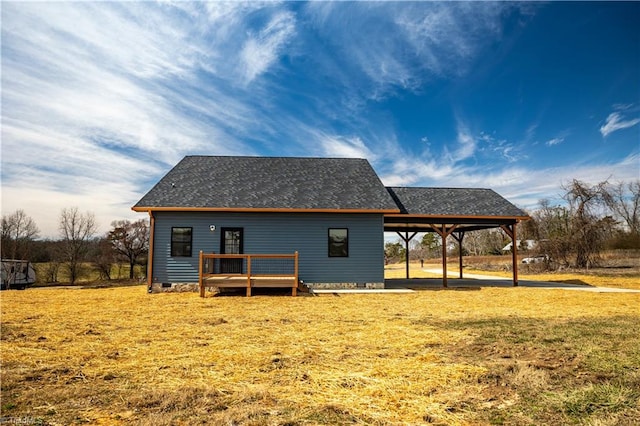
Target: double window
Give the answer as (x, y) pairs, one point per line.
(181, 239)
(338, 242)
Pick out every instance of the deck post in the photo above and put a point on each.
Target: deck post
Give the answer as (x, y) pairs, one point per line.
(248, 275)
(294, 290)
(200, 273)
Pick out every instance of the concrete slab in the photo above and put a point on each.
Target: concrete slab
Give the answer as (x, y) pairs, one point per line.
(362, 291)
(477, 281)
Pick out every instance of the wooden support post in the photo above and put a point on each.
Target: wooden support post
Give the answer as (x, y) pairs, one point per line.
(444, 232)
(444, 258)
(460, 250)
(459, 236)
(248, 276)
(152, 229)
(510, 230)
(295, 273)
(406, 238)
(200, 273)
(515, 256)
(406, 255)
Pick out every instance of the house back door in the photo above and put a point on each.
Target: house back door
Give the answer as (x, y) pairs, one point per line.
(232, 243)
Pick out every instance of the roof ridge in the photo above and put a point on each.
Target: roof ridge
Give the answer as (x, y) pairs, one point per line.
(439, 187)
(273, 157)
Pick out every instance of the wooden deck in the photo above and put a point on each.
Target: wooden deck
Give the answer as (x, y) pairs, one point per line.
(253, 270)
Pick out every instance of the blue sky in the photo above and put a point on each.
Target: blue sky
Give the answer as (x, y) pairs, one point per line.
(99, 100)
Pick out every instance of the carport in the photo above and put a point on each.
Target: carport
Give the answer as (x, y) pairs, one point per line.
(452, 212)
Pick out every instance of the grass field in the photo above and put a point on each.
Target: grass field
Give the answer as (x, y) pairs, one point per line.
(492, 356)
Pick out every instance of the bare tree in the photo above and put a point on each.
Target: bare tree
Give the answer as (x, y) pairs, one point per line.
(576, 234)
(624, 201)
(554, 231)
(528, 229)
(51, 267)
(103, 257)
(76, 230)
(18, 232)
(484, 242)
(130, 240)
(587, 233)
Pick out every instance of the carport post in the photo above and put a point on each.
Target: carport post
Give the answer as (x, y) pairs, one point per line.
(406, 239)
(459, 236)
(444, 232)
(444, 258)
(511, 231)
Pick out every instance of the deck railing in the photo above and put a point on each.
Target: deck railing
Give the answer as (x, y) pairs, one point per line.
(248, 270)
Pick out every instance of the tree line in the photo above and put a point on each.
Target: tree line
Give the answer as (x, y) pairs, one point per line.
(574, 233)
(78, 245)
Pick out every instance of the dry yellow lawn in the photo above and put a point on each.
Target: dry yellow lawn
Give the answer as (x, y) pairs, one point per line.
(514, 356)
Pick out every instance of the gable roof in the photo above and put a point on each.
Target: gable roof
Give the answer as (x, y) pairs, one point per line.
(228, 183)
(458, 202)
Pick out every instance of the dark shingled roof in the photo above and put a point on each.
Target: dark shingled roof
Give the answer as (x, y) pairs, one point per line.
(219, 182)
(470, 202)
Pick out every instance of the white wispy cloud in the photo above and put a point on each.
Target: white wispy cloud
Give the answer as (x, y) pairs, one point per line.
(615, 121)
(506, 150)
(451, 167)
(261, 50)
(347, 147)
(446, 36)
(410, 43)
(466, 144)
(554, 141)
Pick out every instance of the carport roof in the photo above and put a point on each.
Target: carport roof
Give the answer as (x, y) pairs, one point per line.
(470, 202)
(469, 208)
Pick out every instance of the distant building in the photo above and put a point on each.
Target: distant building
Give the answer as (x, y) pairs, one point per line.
(522, 245)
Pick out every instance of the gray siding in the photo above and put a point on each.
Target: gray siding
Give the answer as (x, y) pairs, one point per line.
(276, 233)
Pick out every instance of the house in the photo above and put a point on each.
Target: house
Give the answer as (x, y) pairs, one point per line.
(332, 212)
(522, 245)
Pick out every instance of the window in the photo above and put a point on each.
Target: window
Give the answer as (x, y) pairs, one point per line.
(181, 242)
(338, 242)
